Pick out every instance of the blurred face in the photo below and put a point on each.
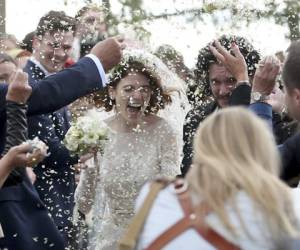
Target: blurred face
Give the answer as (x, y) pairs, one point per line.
(53, 50)
(6, 70)
(7, 44)
(92, 25)
(21, 61)
(132, 96)
(292, 101)
(222, 83)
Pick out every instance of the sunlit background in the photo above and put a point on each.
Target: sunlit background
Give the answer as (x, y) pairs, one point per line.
(186, 36)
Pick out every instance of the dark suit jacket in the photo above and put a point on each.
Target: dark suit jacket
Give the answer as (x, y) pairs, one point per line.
(56, 91)
(192, 121)
(55, 181)
(240, 96)
(23, 216)
(290, 156)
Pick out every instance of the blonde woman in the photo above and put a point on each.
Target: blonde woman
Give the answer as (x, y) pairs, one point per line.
(235, 178)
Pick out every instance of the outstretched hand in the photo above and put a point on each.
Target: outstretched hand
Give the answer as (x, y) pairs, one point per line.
(18, 89)
(235, 62)
(109, 51)
(265, 76)
(22, 155)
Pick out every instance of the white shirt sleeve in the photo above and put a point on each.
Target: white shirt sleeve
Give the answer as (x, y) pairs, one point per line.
(100, 68)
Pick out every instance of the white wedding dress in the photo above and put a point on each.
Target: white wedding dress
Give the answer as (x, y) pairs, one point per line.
(112, 182)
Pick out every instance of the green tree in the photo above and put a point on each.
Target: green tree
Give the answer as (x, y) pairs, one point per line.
(283, 12)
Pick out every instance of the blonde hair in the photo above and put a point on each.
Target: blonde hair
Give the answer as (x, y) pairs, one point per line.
(234, 151)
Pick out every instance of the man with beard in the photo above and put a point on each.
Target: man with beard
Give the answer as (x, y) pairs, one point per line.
(217, 86)
(228, 87)
(90, 29)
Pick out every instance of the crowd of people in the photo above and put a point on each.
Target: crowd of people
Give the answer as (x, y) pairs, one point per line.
(195, 159)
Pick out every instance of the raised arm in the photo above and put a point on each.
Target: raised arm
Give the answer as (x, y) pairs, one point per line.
(84, 77)
(16, 155)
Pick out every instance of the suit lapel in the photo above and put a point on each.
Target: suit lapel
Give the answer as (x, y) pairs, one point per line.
(35, 73)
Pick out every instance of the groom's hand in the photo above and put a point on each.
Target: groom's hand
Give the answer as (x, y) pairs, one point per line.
(109, 51)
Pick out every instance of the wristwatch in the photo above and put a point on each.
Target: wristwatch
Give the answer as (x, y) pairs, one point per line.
(243, 83)
(259, 97)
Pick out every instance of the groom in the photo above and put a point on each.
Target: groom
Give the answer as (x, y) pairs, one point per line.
(24, 218)
(55, 181)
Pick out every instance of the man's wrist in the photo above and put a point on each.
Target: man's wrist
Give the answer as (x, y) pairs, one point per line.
(10, 98)
(259, 97)
(242, 78)
(7, 162)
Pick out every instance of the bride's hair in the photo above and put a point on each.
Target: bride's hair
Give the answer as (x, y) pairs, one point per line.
(159, 98)
(235, 151)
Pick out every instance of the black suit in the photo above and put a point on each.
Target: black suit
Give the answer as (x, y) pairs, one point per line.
(55, 180)
(23, 216)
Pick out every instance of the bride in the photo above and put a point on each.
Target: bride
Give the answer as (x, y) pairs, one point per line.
(141, 146)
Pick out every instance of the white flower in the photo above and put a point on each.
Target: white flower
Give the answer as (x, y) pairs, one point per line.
(87, 133)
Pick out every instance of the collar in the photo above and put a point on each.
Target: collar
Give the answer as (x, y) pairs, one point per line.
(42, 68)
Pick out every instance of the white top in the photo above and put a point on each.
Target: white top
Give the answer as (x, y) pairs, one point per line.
(166, 211)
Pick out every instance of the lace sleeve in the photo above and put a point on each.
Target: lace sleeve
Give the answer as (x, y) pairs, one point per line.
(169, 152)
(85, 191)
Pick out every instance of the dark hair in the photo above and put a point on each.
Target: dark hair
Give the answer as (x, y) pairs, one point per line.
(167, 53)
(27, 42)
(206, 58)
(291, 67)
(173, 59)
(55, 21)
(158, 98)
(88, 7)
(6, 58)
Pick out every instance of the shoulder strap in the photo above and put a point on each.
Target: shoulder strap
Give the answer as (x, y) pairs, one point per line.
(129, 239)
(192, 220)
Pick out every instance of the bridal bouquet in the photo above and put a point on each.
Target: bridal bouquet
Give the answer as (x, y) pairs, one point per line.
(87, 133)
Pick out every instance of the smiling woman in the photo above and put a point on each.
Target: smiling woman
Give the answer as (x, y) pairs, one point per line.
(141, 147)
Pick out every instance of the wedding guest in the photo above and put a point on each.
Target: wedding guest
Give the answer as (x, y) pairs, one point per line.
(216, 82)
(90, 29)
(220, 82)
(82, 78)
(20, 56)
(27, 41)
(22, 211)
(264, 82)
(55, 180)
(141, 146)
(175, 61)
(232, 198)
(8, 42)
